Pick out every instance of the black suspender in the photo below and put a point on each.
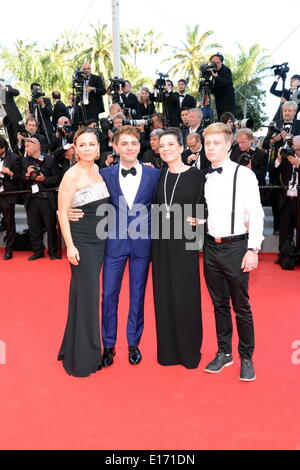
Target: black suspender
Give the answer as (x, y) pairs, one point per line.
(233, 200)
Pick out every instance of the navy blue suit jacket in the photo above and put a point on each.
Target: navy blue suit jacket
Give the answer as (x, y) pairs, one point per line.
(125, 224)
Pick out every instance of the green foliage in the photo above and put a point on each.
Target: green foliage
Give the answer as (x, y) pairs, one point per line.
(194, 52)
(248, 69)
(53, 67)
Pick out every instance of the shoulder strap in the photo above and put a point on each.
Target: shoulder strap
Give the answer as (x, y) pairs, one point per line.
(233, 200)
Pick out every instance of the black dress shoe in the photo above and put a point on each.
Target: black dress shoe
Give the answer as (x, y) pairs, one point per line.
(53, 257)
(134, 355)
(108, 357)
(8, 255)
(36, 256)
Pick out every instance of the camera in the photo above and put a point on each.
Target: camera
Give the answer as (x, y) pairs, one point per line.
(22, 130)
(137, 122)
(244, 123)
(60, 128)
(35, 172)
(206, 69)
(281, 69)
(115, 84)
(161, 82)
(246, 157)
(78, 78)
(36, 94)
(287, 152)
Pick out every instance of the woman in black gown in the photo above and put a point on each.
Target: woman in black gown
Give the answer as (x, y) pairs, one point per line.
(83, 187)
(176, 277)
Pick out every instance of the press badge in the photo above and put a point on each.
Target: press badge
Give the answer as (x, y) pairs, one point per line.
(35, 188)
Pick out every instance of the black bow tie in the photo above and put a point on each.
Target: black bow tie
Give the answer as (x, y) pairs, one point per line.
(211, 170)
(1, 159)
(126, 172)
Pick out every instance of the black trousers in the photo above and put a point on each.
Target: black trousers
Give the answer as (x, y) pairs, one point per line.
(8, 211)
(226, 281)
(39, 216)
(288, 220)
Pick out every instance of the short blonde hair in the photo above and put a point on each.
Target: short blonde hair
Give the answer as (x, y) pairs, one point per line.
(218, 128)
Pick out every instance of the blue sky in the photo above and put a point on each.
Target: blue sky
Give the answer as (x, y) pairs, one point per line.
(232, 21)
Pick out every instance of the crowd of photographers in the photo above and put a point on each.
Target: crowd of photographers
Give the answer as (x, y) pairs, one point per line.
(36, 152)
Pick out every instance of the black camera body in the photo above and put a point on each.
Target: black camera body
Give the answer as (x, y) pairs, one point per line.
(246, 157)
(35, 172)
(287, 152)
(161, 81)
(78, 78)
(60, 128)
(281, 69)
(36, 94)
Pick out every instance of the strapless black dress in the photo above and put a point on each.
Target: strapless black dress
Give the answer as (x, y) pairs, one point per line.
(80, 351)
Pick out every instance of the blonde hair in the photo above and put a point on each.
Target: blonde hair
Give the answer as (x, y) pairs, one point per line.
(144, 88)
(218, 128)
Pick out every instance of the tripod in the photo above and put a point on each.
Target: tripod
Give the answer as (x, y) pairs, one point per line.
(38, 112)
(205, 91)
(160, 99)
(78, 100)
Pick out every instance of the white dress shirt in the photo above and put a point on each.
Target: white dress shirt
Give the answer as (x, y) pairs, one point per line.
(130, 184)
(249, 214)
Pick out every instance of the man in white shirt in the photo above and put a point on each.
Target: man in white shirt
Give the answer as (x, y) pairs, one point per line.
(233, 239)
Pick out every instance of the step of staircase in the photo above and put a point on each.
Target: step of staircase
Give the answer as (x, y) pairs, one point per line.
(269, 245)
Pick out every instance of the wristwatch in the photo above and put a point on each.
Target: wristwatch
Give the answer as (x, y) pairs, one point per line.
(255, 250)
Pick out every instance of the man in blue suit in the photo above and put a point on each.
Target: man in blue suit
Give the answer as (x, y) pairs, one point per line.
(132, 187)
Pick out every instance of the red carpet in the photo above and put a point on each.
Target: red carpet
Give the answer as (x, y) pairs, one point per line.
(148, 406)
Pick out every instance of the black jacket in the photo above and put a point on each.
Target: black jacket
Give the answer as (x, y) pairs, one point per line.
(12, 110)
(131, 101)
(13, 162)
(259, 162)
(59, 110)
(95, 105)
(224, 91)
(52, 178)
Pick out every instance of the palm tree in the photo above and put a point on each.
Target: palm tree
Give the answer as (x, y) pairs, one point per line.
(194, 52)
(99, 51)
(248, 69)
(134, 42)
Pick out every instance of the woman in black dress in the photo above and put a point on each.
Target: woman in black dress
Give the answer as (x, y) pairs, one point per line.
(176, 277)
(83, 187)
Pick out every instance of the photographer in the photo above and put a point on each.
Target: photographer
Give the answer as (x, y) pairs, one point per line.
(64, 134)
(65, 158)
(40, 172)
(30, 130)
(129, 100)
(13, 115)
(222, 86)
(93, 90)
(59, 108)
(194, 155)
(284, 94)
(287, 165)
(278, 133)
(247, 155)
(10, 176)
(152, 155)
(40, 108)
